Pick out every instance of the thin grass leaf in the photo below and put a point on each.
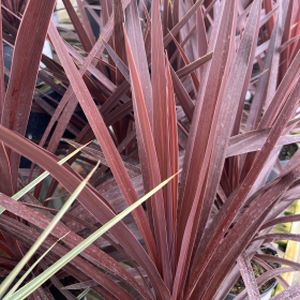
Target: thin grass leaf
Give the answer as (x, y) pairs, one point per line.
(26, 189)
(79, 268)
(43, 277)
(25, 275)
(83, 294)
(14, 273)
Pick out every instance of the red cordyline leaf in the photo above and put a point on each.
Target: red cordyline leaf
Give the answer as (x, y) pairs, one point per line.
(84, 18)
(265, 278)
(248, 277)
(287, 84)
(26, 60)
(89, 198)
(68, 103)
(175, 30)
(2, 88)
(292, 292)
(133, 28)
(106, 8)
(119, 35)
(281, 261)
(281, 220)
(236, 238)
(118, 62)
(80, 30)
(99, 75)
(232, 207)
(149, 163)
(62, 116)
(164, 124)
(286, 36)
(201, 34)
(194, 157)
(191, 67)
(254, 140)
(158, 81)
(186, 61)
(186, 32)
(266, 82)
(182, 95)
(173, 164)
(6, 182)
(269, 270)
(278, 237)
(195, 160)
(102, 134)
(229, 97)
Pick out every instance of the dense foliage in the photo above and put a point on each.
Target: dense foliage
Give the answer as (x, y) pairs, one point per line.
(206, 88)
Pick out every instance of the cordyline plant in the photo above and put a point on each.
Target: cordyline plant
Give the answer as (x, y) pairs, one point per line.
(159, 99)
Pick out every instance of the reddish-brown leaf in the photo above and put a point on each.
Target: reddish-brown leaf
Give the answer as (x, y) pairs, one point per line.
(102, 134)
(80, 30)
(89, 198)
(149, 162)
(25, 64)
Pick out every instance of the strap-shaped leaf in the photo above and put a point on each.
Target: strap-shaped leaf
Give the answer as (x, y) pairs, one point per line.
(43, 277)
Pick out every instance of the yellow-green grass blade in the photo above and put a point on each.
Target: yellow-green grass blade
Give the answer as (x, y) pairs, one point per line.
(35, 283)
(26, 189)
(14, 273)
(24, 276)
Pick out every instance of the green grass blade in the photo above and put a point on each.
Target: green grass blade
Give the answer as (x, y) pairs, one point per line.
(40, 178)
(82, 294)
(24, 276)
(35, 283)
(14, 273)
